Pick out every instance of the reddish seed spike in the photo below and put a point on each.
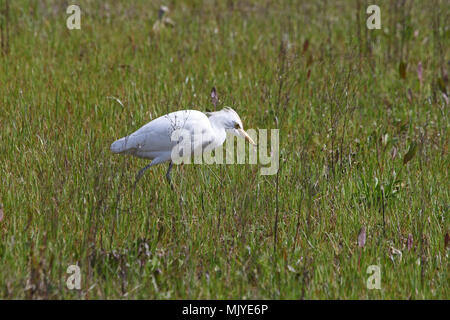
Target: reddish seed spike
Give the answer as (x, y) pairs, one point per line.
(409, 243)
(447, 240)
(419, 72)
(362, 237)
(214, 98)
(305, 45)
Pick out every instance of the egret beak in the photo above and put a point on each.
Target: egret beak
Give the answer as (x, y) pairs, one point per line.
(246, 136)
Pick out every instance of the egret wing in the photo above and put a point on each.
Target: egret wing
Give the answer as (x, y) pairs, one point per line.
(154, 138)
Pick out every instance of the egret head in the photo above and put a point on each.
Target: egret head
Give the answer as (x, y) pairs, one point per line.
(233, 124)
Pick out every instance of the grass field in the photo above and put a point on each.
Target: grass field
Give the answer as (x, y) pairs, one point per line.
(349, 103)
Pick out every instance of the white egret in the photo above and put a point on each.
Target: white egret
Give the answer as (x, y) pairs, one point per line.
(154, 140)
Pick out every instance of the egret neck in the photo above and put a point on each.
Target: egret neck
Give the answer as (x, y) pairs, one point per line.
(217, 121)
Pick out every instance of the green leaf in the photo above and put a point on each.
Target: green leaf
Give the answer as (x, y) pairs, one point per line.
(411, 152)
(402, 70)
(441, 85)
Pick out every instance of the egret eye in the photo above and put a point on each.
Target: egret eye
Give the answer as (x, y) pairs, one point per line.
(236, 125)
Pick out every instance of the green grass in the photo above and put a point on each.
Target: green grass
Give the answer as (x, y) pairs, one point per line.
(346, 116)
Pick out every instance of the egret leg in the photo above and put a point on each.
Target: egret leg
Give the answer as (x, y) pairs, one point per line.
(169, 179)
(141, 173)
